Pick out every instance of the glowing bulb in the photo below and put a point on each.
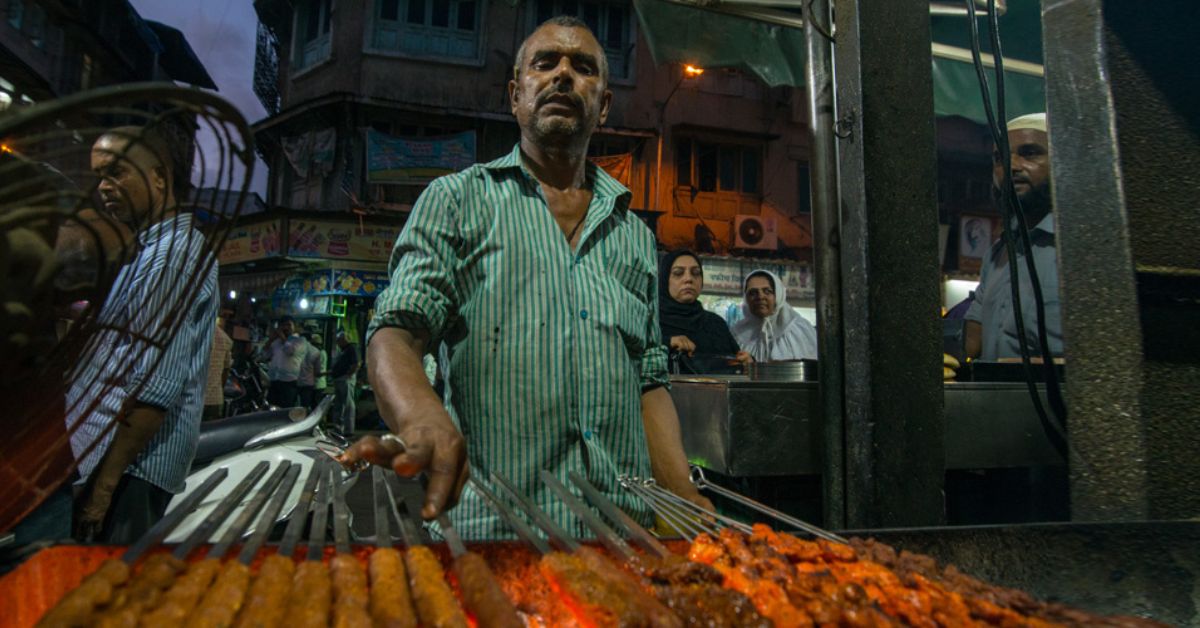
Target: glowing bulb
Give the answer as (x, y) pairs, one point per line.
(692, 70)
(304, 304)
(233, 294)
(253, 300)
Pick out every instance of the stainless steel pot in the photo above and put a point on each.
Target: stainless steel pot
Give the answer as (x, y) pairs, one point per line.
(784, 371)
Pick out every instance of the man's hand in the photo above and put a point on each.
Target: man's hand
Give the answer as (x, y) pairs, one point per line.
(433, 446)
(744, 358)
(683, 344)
(668, 461)
(90, 509)
(415, 414)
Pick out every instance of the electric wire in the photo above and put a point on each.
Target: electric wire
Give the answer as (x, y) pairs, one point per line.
(1011, 208)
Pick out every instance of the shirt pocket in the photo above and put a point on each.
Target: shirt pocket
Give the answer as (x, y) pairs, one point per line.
(630, 304)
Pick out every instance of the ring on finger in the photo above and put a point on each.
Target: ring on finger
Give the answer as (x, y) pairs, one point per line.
(395, 440)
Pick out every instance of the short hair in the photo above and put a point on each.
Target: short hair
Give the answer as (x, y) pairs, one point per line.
(567, 21)
(171, 139)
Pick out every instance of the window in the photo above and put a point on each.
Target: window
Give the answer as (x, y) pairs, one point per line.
(312, 42)
(16, 13)
(804, 199)
(428, 28)
(611, 21)
(713, 167)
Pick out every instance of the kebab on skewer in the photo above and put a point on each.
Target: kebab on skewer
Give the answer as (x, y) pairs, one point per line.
(691, 590)
(596, 590)
(100, 589)
(432, 597)
(161, 570)
(390, 603)
(310, 596)
(266, 599)
(348, 575)
(180, 599)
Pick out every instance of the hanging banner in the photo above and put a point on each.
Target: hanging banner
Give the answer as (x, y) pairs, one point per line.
(246, 243)
(340, 240)
(393, 159)
(619, 167)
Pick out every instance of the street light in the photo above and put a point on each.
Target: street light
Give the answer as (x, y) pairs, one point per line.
(689, 72)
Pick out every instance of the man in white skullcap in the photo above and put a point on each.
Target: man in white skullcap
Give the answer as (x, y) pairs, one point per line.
(991, 328)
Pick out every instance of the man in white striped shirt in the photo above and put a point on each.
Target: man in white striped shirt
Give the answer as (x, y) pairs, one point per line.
(136, 396)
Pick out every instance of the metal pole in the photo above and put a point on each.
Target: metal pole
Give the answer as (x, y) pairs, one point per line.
(822, 172)
(894, 431)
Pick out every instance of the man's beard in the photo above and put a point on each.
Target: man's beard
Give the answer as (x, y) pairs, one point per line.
(1035, 203)
(547, 127)
(572, 127)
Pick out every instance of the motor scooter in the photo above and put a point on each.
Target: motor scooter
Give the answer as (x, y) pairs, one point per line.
(238, 443)
(245, 390)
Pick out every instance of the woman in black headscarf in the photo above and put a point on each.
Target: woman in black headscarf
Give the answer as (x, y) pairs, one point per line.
(687, 328)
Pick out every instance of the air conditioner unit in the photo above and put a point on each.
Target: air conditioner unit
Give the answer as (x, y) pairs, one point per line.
(755, 232)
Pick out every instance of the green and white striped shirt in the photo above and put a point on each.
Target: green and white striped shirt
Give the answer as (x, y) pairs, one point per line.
(548, 350)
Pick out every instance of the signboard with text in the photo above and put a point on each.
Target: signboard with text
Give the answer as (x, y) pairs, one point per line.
(246, 243)
(392, 159)
(340, 240)
(725, 276)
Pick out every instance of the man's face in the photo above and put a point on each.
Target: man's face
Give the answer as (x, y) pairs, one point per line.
(560, 93)
(287, 328)
(1030, 163)
(686, 280)
(132, 179)
(760, 296)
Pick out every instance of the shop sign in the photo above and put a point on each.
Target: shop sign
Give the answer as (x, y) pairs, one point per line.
(251, 242)
(355, 283)
(725, 276)
(393, 159)
(339, 240)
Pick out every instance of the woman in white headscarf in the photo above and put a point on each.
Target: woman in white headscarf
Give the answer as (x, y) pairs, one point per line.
(771, 329)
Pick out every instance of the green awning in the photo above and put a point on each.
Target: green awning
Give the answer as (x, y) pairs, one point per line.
(678, 33)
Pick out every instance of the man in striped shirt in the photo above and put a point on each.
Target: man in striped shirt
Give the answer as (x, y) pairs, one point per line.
(541, 283)
(138, 391)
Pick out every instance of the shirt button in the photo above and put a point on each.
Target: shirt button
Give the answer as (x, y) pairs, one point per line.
(587, 434)
(583, 314)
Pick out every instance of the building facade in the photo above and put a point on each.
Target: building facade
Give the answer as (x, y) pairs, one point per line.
(350, 82)
(53, 48)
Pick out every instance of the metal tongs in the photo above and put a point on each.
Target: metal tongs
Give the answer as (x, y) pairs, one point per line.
(692, 520)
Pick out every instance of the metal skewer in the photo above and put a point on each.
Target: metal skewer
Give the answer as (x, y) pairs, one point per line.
(316, 533)
(267, 521)
(558, 536)
(383, 532)
(524, 532)
(239, 525)
(614, 543)
(218, 514)
(341, 514)
(703, 484)
(640, 535)
(295, 527)
(163, 527)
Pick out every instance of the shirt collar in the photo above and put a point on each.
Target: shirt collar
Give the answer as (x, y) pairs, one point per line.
(181, 223)
(603, 185)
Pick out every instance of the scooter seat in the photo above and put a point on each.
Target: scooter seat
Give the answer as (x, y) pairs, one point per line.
(225, 435)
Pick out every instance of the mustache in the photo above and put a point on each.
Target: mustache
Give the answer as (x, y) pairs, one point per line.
(553, 92)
